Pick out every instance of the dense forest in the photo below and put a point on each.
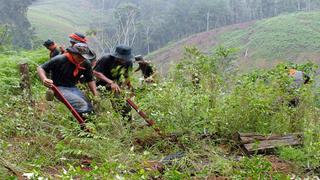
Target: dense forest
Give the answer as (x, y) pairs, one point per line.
(15, 28)
(150, 24)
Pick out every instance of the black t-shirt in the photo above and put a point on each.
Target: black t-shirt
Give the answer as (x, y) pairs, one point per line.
(62, 71)
(108, 66)
(147, 70)
(55, 53)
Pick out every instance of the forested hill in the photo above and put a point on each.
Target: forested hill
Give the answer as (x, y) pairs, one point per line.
(15, 29)
(148, 25)
(264, 43)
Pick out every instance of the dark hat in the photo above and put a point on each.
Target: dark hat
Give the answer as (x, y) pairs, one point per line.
(123, 52)
(48, 43)
(139, 58)
(83, 50)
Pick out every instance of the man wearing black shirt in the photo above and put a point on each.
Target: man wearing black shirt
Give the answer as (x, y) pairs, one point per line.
(113, 72)
(52, 47)
(65, 71)
(146, 69)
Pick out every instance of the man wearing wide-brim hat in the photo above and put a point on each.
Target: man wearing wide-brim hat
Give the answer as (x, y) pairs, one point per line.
(77, 37)
(113, 71)
(66, 70)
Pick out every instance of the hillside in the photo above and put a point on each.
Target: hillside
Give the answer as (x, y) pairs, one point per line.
(196, 124)
(264, 43)
(57, 18)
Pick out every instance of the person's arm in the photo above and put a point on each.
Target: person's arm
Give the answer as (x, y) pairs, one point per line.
(42, 74)
(154, 74)
(306, 78)
(93, 87)
(114, 86)
(128, 83)
(102, 77)
(138, 69)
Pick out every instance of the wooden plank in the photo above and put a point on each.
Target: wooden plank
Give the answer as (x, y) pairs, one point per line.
(271, 144)
(246, 140)
(254, 142)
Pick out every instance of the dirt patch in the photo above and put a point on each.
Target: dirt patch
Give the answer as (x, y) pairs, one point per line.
(53, 171)
(279, 165)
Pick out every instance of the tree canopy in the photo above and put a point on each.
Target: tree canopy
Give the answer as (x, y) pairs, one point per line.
(13, 19)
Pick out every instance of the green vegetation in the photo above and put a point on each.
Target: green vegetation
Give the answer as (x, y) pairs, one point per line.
(58, 18)
(148, 25)
(291, 37)
(46, 140)
(264, 43)
(13, 18)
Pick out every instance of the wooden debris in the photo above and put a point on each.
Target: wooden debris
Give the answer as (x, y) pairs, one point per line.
(253, 142)
(25, 83)
(153, 166)
(12, 168)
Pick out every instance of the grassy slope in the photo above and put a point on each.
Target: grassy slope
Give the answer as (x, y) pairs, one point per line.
(46, 140)
(292, 37)
(57, 18)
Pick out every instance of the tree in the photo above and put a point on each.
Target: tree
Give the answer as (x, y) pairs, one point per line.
(13, 14)
(148, 25)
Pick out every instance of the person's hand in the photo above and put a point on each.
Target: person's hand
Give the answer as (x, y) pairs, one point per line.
(149, 80)
(115, 87)
(48, 82)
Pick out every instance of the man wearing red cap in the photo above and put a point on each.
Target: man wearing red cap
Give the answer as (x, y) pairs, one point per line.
(66, 71)
(75, 38)
(80, 38)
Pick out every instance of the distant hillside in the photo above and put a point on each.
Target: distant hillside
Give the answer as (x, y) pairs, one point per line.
(293, 37)
(57, 18)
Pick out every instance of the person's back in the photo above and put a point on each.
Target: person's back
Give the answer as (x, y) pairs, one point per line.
(111, 69)
(146, 69)
(61, 71)
(299, 77)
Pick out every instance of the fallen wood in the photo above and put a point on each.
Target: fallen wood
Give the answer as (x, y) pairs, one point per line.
(16, 171)
(257, 143)
(25, 83)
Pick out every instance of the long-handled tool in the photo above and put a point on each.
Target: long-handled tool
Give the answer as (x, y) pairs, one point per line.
(69, 106)
(150, 122)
